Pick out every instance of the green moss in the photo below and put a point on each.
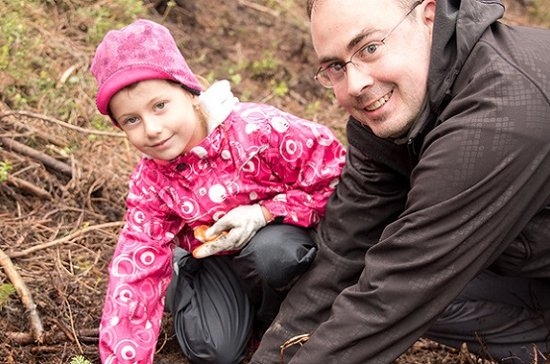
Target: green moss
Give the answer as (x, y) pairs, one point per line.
(35, 57)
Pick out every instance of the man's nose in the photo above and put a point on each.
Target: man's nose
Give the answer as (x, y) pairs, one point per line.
(358, 77)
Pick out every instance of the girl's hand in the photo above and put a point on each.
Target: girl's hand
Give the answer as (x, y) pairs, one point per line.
(241, 225)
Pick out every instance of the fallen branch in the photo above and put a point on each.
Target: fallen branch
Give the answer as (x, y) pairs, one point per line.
(74, 334)
(24, 338)
(33, 153)
(484, 352)
(29, 187)
(62, 123)
(30, 130)
(259, 7)
(25, 294)
(43, 349)
(536, 353)
(66, 238)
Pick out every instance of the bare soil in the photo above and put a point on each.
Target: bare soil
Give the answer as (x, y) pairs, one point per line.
(60, 211)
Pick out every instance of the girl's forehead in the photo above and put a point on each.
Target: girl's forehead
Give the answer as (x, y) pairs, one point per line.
(151, 87)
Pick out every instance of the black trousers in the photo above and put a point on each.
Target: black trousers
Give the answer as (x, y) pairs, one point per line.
(216, 302)
(500, 318)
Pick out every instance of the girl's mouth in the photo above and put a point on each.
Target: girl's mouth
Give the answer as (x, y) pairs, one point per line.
(161, 143)
(380, 102)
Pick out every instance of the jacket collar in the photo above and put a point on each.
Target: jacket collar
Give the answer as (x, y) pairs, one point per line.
(459, 24)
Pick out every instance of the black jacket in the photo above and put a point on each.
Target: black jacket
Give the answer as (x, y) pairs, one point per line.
(468, 189)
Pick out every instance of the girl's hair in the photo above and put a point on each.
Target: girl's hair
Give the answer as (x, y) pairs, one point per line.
(203, 116)
(202, 81)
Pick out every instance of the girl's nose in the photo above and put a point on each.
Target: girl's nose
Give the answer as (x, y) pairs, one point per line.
(358, 77)
(152, 127)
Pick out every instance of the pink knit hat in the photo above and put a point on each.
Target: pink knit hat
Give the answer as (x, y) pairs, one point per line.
(143, 50)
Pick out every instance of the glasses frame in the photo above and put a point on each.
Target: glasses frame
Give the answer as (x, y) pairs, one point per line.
(327, 82)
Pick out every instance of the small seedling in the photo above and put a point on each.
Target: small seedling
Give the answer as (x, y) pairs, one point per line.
(79, 359)
(5, 168)
(6, 291)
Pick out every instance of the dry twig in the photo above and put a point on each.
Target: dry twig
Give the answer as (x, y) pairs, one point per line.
(29, 187)
(24, 338)
(35, 132)
(259, 7)
(33, 153)
(66, 238)
(75, 335)
(295, 340)
(62, 123)
(25, 294)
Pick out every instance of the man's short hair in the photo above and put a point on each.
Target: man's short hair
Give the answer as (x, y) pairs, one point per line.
(309, 7)
(405, 4)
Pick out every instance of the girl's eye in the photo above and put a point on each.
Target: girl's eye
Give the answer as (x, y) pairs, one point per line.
(130, 121)
(160, 105)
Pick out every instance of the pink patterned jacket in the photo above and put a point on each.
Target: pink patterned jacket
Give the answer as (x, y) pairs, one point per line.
(259, 154)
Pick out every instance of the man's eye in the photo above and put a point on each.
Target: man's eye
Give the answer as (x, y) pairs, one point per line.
(369, 49)
(336, 67)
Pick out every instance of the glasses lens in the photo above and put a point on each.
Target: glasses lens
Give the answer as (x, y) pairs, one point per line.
(323, 78)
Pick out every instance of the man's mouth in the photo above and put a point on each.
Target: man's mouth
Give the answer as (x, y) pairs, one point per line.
(380, 102)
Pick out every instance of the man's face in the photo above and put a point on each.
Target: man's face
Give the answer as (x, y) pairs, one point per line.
(385, 86)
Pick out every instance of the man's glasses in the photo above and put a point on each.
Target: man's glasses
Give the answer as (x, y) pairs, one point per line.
(333, 73)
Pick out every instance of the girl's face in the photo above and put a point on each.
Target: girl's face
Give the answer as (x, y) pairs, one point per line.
(159, 118)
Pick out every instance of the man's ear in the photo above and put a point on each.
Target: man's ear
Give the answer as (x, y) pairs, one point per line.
(429, 12)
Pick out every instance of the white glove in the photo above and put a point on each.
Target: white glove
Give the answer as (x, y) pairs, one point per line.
(217, 102)
(241, 224)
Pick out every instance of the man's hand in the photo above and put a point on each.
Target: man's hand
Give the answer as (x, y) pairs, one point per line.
(241, 224)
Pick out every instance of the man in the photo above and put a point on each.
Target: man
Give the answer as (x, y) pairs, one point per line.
(440, 226)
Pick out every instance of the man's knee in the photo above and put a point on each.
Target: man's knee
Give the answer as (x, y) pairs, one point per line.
(499, 316)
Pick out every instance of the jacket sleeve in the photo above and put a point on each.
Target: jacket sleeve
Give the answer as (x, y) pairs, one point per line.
(482, 175)
(371, 191)
(308, 159)
(139, 272)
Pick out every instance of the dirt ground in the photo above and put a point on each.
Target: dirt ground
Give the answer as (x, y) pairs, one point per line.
(62, 201)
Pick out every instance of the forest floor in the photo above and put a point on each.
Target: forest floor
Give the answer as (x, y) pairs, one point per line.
(64, 169)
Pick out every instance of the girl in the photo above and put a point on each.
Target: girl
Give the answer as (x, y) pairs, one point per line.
(260, 177)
